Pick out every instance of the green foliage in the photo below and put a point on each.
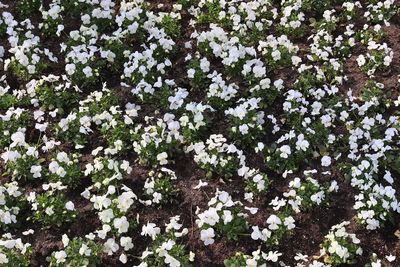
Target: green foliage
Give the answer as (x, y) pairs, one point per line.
(318, 6)
(211, 14)
(338, 241)
(14, 207)
(152, 142)
(159, 187)
(16, 257)
(239, 260)
(157, 258)
(257, 259)
(27, 7)
(235, 228)
(258, 184)
(75, 8)
(20, 168)
(52, 97)
(22, 72)
(80, 252)
(372, 91)
(72, 176)
(51, 209)
(171, 26)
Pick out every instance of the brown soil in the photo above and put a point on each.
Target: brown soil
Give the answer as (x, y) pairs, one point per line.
(310, 228)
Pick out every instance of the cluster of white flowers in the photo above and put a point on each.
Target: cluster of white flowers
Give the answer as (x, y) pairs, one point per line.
(222, 213)
(278, 50)
(380, 11)
(217, 156)
(10, 247)
(111, 112)
(339, 243)
(379, 56)
(158, 139)
(304, 194)
(156, 187)
(167, 249)
(195, 116)
(9, 196)
(292, 17)
(220, 89)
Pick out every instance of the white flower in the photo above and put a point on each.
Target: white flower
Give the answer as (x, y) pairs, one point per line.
(289, 222)
(35, 170)
(49, 211)
(171, 261)
(106, 215)
(387, 60)
(342, 252)
(60, 256)
(62, 157)
(88, 71)
(388, 177)
(326, 161)
(207, 236)
(204, 65)
(60, 28)
(41, 126)
(361, 60)
(151, 230)
(274, 222)
(173, 126)
(273, 256)
(85, 250)
(70, 205)
(61, 171)
(65, 240)
(191, 73)
(285, 151)
(318, 197)
(296, 60)
(200, 184)
(10, 155)
(301, 257)
(123, 258)
(53, 166)
(18, 139)
(3, 258)
(110, 246)
(31, 69)
(244, 129)
(227, 216)
(100, 202)
(121, 224)
(125, 200)
(70, 69)
(126, 243)
(162, 158)
(301, 143)
(390, 258)
(260, 235)
(276, 55)
(209, 217)
(260, 147)
(296, 183)
(103, 232)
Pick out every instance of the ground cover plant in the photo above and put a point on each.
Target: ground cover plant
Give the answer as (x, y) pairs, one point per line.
(200, 133)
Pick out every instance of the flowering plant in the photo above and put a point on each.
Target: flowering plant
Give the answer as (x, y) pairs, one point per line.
(52, 207)
(224, 215)
(76, 252)
(340, 247)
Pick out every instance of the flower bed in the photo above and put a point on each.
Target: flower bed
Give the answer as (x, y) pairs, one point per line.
(199, 133)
